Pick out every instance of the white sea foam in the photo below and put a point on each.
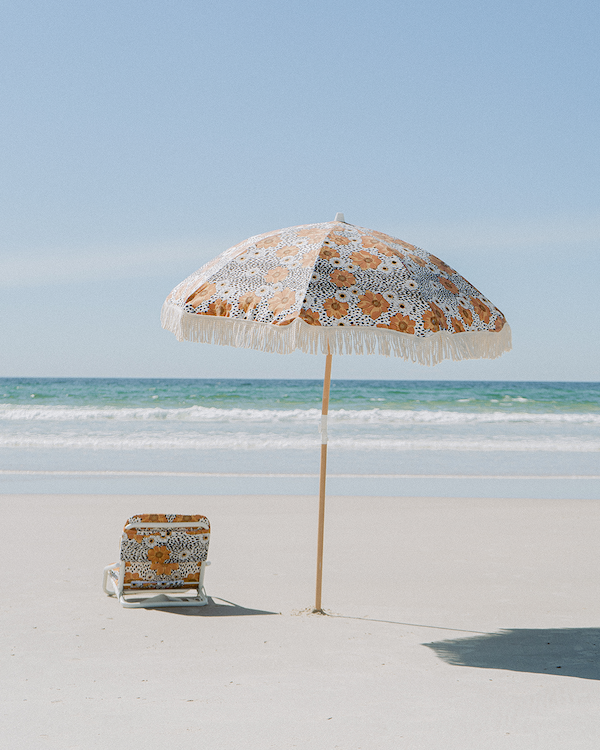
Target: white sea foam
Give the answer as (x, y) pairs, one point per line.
(263, 475)
(233, 415)
(271, 442)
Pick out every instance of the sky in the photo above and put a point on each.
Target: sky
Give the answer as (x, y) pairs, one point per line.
(142, 139)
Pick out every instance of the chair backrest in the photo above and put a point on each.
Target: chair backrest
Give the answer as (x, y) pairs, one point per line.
(164, 551)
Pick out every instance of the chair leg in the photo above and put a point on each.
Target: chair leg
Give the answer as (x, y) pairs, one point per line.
(107, 579)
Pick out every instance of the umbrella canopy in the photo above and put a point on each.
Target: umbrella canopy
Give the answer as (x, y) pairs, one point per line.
(335, 288)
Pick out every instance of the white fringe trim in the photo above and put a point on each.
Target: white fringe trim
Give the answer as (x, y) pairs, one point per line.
(266, 337)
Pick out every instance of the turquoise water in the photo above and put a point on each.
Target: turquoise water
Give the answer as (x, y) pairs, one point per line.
(160, 436)
(289, 394)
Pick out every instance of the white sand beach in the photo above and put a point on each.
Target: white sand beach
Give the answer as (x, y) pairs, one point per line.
(453, 623)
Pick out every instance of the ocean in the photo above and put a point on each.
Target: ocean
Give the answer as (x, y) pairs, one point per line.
(404, 438)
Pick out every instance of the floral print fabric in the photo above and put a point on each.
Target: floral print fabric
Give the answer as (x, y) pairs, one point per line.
(161, 556)
(337, 275)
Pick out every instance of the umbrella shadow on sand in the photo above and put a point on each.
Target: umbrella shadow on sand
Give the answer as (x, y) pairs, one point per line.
(571, 652)
(222, 609)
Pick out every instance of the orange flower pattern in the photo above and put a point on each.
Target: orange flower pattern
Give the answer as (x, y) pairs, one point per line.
(336, 274)
(391, 240)
(441, 265)
(335, 309)
(286, 251)
(159, 561)
(343, 278)
(373, 304)
(416, 259)
(466, 315)
(400, 323)
(434, 319)
(439, 313)
(168, 557)
(449, 285)
(205, 292)
(276, 274)
(283, 300)
(219, 307)
(286, 321)
(380, 246)
(481, 309)
(248, 301)
(329, 252)
(308, 261)
(311, 231)
(365, 259)
(271, 240)
(390, 252)
(339, 239)
(310, 317)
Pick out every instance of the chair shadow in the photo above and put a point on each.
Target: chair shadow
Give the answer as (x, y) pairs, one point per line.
(570, 652)
(228, 609)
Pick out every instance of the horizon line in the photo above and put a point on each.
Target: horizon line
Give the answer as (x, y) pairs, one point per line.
(298, 380)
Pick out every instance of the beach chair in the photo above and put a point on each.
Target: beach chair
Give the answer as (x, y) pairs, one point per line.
(160, 552)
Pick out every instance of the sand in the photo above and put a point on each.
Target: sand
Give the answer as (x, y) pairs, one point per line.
(453, 623)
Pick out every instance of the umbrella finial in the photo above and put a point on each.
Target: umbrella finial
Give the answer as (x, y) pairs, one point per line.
(340, 217)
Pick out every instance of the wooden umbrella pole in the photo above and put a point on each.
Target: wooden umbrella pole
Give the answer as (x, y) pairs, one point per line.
(322, 478)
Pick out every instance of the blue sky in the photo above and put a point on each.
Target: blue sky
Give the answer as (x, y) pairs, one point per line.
(142, 139)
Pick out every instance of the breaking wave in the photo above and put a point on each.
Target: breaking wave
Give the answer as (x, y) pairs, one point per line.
(271, 442)
(201, 414)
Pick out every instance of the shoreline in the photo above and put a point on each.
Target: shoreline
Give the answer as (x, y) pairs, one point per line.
(577, 485)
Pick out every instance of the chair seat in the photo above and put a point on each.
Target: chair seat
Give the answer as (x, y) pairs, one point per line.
(161, 552)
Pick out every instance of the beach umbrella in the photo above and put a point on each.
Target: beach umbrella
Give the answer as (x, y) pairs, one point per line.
(335, 288)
